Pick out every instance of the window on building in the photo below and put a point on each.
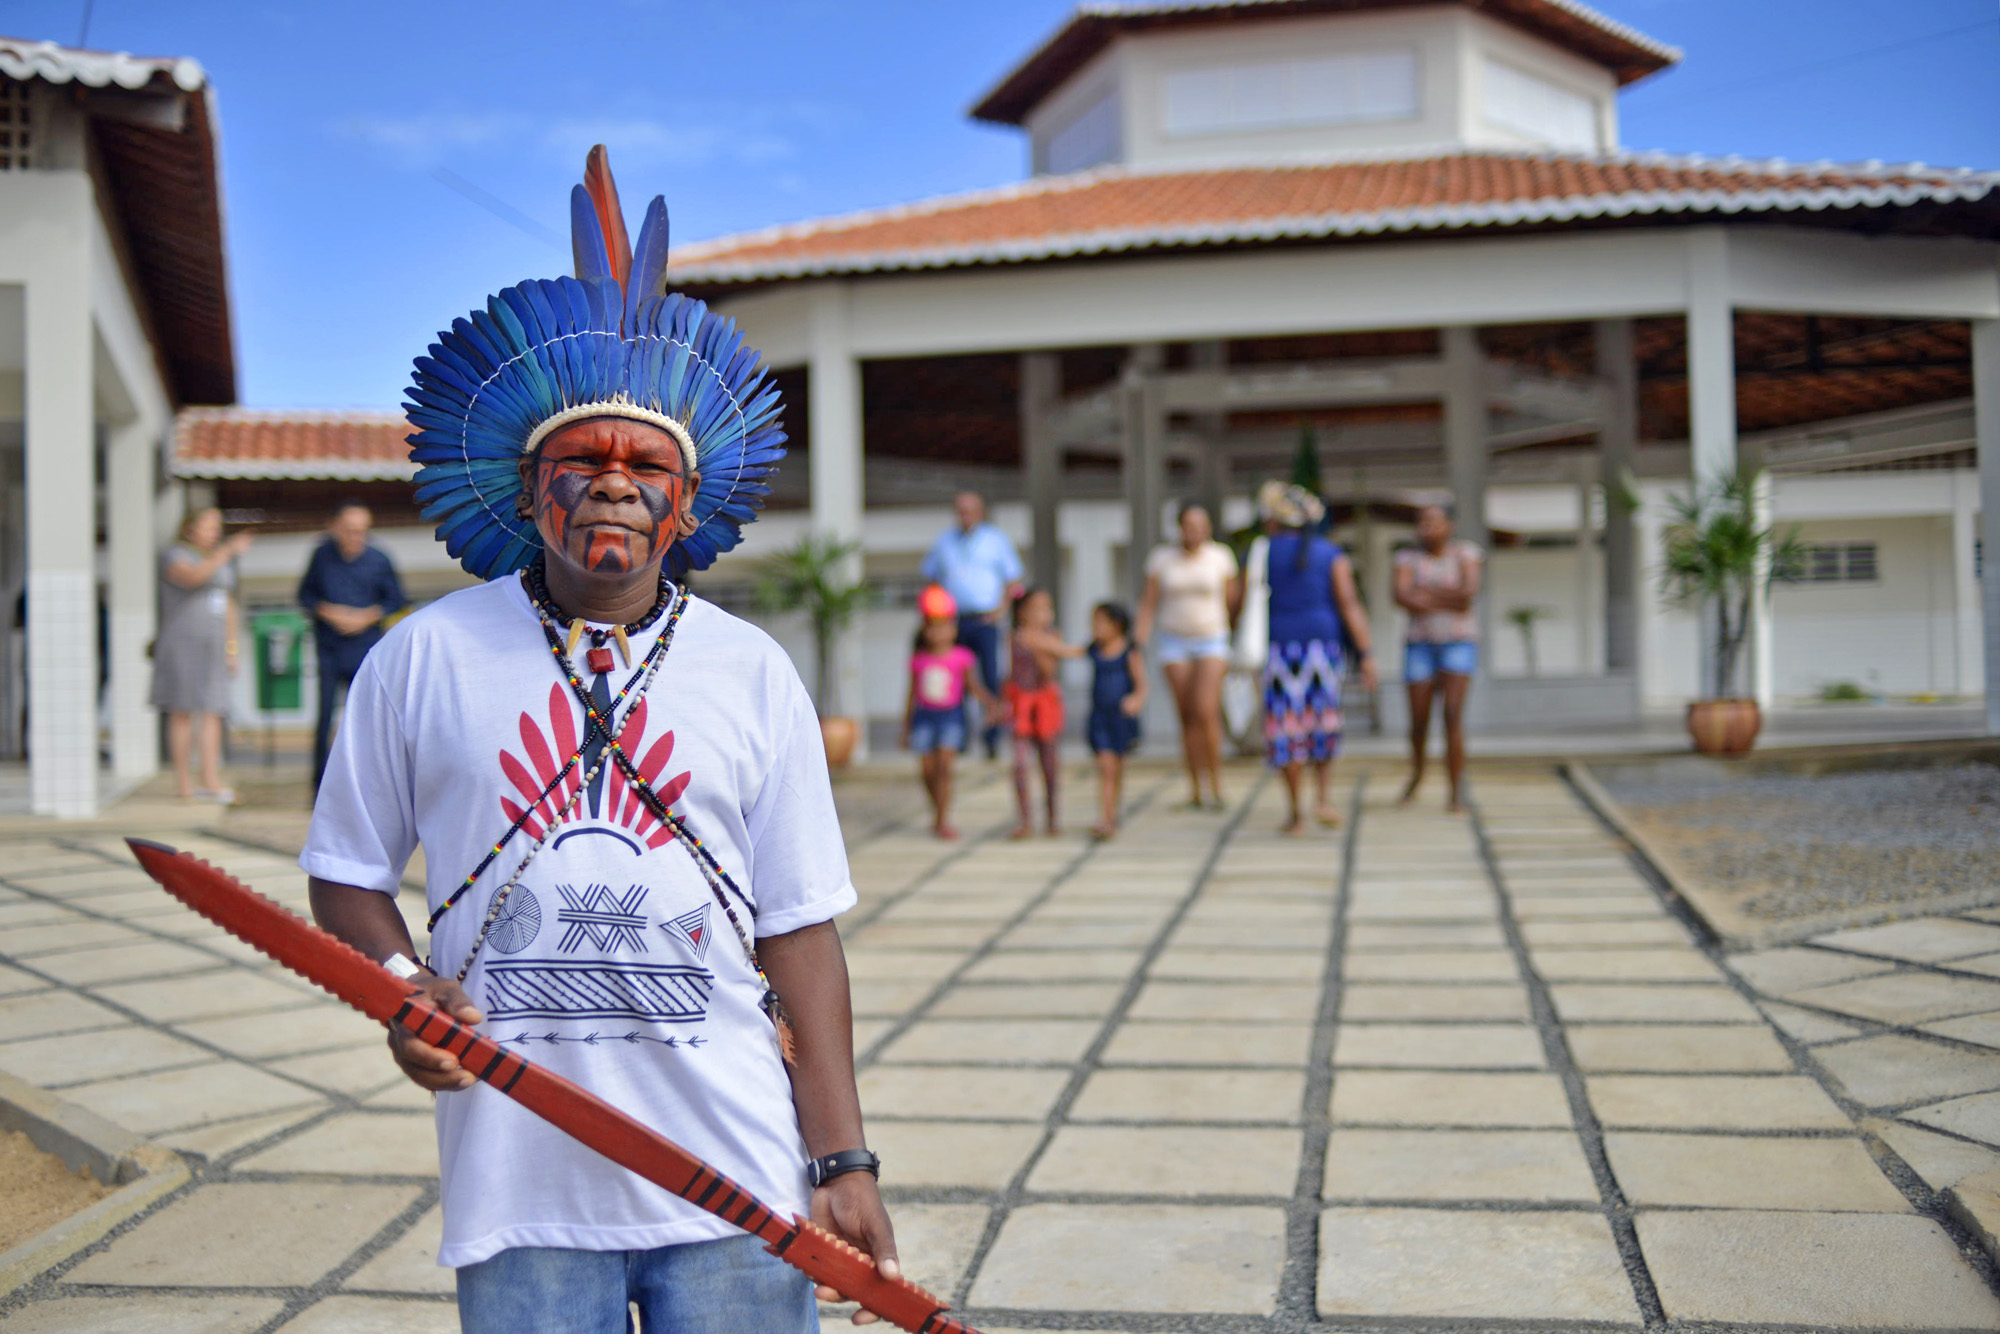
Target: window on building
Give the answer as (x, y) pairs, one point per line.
(1277, 94)
(1530, 105)
(1840, 563)
(1088, 141)
(17, 135)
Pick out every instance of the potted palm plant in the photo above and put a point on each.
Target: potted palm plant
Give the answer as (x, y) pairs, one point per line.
(809, 576)
(1720, 557)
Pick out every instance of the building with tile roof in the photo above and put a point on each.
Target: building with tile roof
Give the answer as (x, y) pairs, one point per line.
(1411, 228)
(114, 312)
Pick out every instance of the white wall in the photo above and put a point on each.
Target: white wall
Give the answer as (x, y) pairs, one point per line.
(1894, 636)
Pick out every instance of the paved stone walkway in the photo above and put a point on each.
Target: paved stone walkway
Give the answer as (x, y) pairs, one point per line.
(1439, 1075)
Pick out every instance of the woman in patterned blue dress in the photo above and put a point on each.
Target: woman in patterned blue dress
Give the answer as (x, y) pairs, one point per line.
(1315, 613)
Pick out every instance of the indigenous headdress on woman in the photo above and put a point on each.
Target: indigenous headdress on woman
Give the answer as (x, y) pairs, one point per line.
(1289, 505)
(609, 342)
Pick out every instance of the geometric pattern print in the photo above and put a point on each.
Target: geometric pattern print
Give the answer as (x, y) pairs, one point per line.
(609, 922)
(691, 929)
(660, 993)
(542, 757)
(1302, 701)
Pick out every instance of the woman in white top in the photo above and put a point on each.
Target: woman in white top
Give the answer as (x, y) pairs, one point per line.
(1193, 593)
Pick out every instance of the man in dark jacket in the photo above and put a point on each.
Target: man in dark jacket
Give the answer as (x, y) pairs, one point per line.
(350, 586)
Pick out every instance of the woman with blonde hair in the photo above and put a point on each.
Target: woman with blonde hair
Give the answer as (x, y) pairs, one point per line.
(195, 653)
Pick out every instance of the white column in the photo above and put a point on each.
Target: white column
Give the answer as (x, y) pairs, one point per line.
(1465, 431)
(61, 487)
(1647, 627)
(135, 731)
(1211, 473)
(1465, 455)
(834, 467)
(1759, 645)
(1586, 582)
(1711, 357)
(1041, 460)
(1966, 648)
(1986, 430)
(1617, 445)
(1145, 461)
(1090, 534)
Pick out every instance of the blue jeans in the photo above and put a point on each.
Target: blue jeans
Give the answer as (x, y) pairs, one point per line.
(983, 638)
(729, 1286)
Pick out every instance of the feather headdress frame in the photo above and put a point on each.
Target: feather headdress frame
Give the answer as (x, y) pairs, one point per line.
(610, 341)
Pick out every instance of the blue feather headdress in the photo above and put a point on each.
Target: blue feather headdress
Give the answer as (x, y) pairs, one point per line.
(609, 342)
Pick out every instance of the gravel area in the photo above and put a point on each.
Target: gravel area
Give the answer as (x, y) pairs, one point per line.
(1787, 846)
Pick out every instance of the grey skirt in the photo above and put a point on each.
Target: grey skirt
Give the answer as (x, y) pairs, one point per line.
(191, 672)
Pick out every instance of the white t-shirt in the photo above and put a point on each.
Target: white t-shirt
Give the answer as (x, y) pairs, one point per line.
(1193, 589)
(612, 935)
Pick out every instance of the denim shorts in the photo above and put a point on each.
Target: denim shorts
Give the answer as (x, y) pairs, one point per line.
(1423, 661)
(937, 729)
(702, 1287)
(1179, 648)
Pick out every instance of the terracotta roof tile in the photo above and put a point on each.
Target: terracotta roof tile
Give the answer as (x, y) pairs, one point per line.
(1121, 209)
(232, 443)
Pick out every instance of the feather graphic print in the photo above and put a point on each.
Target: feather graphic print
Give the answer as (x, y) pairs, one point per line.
(541, 758)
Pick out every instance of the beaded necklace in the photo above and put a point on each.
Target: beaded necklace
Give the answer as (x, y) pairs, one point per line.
(720, 885)
(538, 596)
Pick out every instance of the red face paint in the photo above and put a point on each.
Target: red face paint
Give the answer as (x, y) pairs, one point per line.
(609, 493)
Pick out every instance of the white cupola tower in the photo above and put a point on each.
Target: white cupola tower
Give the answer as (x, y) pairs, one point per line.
(1179, 86)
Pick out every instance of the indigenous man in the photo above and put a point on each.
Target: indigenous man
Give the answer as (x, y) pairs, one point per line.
(641, 916)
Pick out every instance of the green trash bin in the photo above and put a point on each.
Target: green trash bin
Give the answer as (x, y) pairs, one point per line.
(280, 641)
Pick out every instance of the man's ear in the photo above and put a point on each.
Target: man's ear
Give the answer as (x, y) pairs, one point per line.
(524, 500)
(684, 522)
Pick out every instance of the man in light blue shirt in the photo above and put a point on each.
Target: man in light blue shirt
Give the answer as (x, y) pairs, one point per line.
(976, 563)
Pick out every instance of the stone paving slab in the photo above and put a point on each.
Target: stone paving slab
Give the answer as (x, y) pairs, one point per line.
(248, 1234)
(1539, 1166)
(1190, 1095)
(1169, 1161)
(374, 1315)
(1171, 1258)
(1155, 1042)
(187, 1096)
(355, 1144)
(145, 1315)
(1677, 1049)
(1813, 1269)
(1458, 1263)
(1714, 1102)
(65, 1059)
(1448, 1098)
(1731, 1172)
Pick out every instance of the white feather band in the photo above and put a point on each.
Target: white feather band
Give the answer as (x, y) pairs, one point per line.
(617, 407)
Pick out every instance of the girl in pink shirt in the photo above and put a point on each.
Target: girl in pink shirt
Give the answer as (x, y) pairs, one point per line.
(941, 672)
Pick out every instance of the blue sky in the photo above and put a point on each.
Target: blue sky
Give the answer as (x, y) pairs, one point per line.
(353, 132)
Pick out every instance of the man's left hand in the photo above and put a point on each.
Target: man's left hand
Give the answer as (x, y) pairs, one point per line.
(850, 1207)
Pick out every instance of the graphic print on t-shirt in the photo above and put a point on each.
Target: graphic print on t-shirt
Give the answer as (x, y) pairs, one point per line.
(599, 881)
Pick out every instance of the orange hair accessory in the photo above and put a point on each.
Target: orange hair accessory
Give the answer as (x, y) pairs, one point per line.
(937, 605)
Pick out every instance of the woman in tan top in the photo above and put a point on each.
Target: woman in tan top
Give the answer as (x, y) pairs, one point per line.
(1437, 583)
(1193, 592)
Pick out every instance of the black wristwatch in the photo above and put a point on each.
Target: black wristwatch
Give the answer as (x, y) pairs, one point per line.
(822, 1170)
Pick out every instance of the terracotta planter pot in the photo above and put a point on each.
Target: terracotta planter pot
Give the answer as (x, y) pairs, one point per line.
(840, 735)
(1724, 728)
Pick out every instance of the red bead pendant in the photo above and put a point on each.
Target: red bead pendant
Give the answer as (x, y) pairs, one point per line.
(598, 660)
